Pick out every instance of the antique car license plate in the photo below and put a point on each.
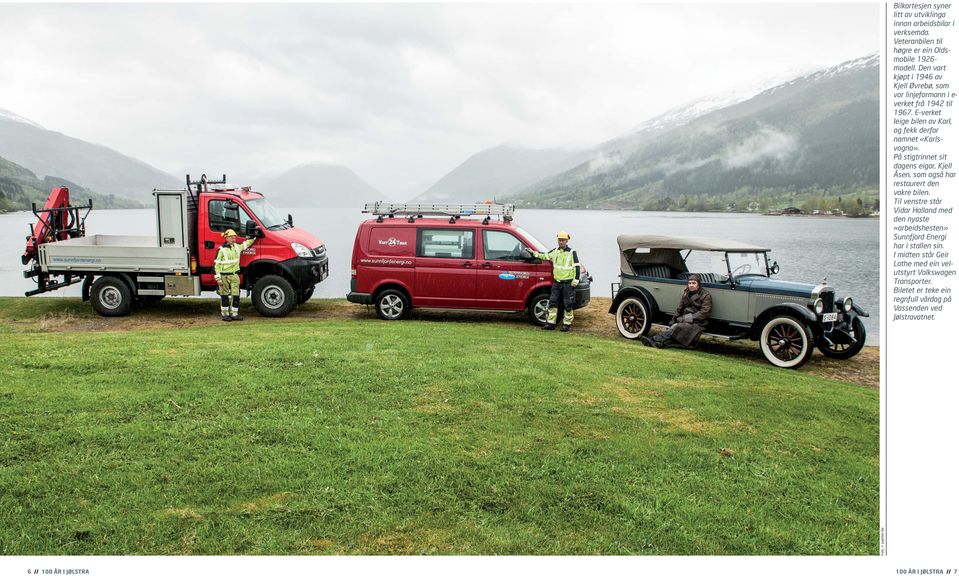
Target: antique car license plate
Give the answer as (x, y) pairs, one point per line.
(831, 317)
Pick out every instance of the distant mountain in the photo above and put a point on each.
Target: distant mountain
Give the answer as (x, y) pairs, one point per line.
(318, 185)
(816, 134)
(45, 152)
(499, 172)
(20, 187)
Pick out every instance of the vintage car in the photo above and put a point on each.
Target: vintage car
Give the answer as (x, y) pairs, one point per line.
(788, 319)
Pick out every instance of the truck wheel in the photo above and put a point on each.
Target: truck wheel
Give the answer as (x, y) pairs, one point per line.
(846, 350)
(632, 318)
(786, 342)
(111, 296)
(538, 309)
(392, 305)
(273, 296)
(302, 297)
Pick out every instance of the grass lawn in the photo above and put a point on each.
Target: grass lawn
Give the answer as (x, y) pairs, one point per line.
(325, 434)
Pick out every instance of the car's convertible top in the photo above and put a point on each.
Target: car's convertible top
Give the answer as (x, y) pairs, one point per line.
(645, 254)
(634, 241)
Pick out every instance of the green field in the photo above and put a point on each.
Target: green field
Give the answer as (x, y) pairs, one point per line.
(313, 435)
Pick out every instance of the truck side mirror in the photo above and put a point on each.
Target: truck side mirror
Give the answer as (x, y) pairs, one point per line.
(289, 219)
(250, 229)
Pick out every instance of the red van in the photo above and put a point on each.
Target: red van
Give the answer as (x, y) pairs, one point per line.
(450, 256)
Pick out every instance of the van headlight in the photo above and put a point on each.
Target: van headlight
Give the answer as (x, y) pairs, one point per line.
(301, 250)
(847, 304)
(819, 306)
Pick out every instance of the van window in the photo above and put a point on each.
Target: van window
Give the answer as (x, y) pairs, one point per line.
(502, 246)
(445, 243)
(391, 241)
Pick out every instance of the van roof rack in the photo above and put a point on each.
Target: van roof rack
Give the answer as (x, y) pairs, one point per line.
(454, 211)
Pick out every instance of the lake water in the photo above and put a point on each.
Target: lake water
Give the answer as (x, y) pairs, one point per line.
(845, 250)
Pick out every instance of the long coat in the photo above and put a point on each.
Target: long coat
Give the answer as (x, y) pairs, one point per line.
(697, 303)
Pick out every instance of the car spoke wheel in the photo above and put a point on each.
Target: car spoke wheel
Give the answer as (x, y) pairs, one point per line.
(786, 342)
(632, 318)
(846, 350)
(392, 305)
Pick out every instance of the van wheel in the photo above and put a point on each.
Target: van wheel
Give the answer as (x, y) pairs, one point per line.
(786, 342)
(538, 309)
(392, 305)
(273, 296)
(632, 318)
(111, 296)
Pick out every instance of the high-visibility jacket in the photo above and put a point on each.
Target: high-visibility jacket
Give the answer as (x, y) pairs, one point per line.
(228, 257)
(565, 263)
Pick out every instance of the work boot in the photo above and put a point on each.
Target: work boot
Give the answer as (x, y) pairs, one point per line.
(564, 328)
(646, 341)
(226, 318)
(236, 317)
(549, 326)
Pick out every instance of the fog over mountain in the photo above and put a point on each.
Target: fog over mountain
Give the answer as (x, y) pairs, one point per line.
(318, 185)
(815, 134)
(399, 93)
(499, 172)
(45, 152)
(20, 188)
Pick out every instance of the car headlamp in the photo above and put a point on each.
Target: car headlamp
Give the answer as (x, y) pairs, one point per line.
(847, 304)
(819, 306)
(301, 250)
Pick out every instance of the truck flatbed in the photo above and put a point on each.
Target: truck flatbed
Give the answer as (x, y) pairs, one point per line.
(115, 253)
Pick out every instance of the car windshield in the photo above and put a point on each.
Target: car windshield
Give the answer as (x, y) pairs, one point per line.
(539, 246)
(740, 263)
(743, 263)
(267, 214)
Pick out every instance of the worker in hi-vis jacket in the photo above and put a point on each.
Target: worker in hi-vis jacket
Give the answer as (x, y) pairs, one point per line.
(565, 279)
(225, 268)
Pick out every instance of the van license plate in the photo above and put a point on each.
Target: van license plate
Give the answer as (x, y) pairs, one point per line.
(831, 317)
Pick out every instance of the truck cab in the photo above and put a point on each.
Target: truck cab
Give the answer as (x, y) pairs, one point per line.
(281, 268)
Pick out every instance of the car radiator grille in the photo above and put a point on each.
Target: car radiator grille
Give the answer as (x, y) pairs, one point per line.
(828, 300)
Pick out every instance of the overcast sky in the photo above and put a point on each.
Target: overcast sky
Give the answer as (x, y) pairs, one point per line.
(400, 94)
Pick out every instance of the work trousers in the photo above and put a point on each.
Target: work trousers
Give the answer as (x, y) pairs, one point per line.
(229, 287)
(562, 295)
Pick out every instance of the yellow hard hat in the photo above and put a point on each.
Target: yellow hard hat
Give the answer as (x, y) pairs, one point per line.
(563, 235)
(229, 233)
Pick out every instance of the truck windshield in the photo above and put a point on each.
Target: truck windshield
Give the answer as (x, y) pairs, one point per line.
(267, 214)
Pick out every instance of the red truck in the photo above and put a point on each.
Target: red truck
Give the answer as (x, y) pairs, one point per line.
(281, 269)
(463, 259)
